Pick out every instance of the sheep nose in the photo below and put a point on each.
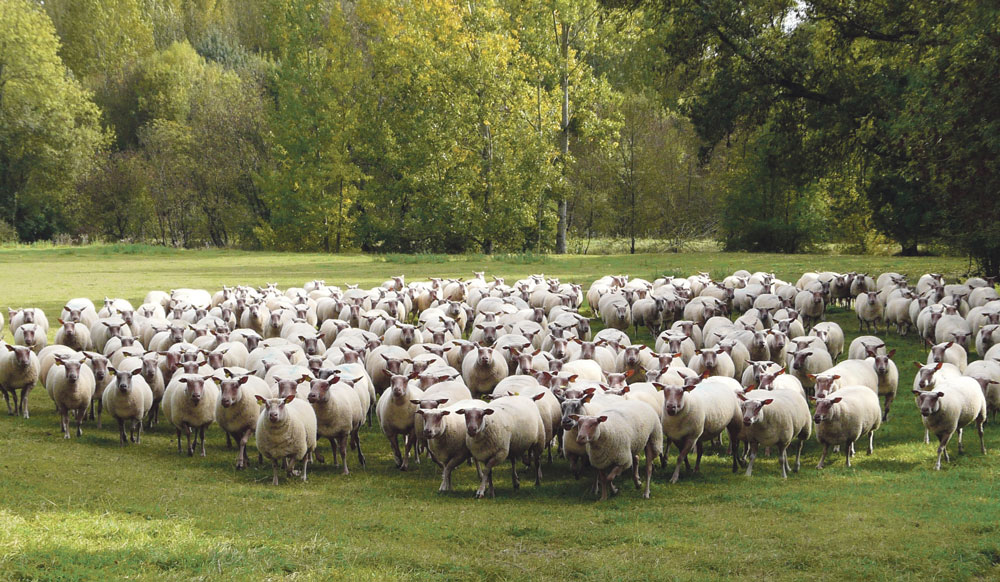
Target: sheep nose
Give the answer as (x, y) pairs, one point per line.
(196, 398)
(312, 398)
(273, 417)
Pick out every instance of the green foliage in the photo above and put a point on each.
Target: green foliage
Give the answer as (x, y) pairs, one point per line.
(49, 129)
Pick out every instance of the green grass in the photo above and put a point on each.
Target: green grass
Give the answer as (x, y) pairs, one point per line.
(89, 509)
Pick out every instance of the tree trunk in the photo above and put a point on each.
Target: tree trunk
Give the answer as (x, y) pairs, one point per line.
(909, 249)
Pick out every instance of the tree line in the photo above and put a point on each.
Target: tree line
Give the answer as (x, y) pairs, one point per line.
(499, 125)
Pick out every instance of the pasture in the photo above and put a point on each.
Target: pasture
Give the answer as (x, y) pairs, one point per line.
(86, 508)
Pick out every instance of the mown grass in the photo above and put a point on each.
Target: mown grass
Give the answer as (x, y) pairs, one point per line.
(89, 509)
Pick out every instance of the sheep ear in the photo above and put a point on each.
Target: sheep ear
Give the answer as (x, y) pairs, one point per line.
(417, 402)
(690, 388)
(487, 411)
(574, 417)
(918, 365)
(811, 376)
(741, 397)
(538, 396)
(602, 418)
(938, 367)
(766, 402)
(780, 372)
(659, 387)
(460, 411)
(836, 400)
(836, 376)
(243, 380)
(939, 394)
(289, 398)
(260, 399)
(629, 373)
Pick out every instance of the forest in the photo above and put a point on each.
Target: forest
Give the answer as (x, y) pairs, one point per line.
(503, 125)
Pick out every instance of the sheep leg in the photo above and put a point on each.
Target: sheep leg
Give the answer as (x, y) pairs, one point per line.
(871, 442)
(513, 474)
(80, 415)
(650, 451)
(397, 456)
(241, 451)
(333, 447)
(178, 440)
(888, 403)
(229, 441)
(961, 449)
(64, 423)
(604, 485)
(798, 455)
(190, 445)
(100, 408)
(849, 448)
(685, 449)
(343, 452)
(446, 472)
(635, 472)
(538, 468)
(6, 397)
(783, 460)
(305, 467)
(121, 432)
(275, 472)
(943, 450)
(822, 457)
(610, 478)
(201, 432)
(24, 401)
(699, 448)
(753, 457)
(733, 446)
(357, 444)
(486, 479)
(979, 429)
(927, 436)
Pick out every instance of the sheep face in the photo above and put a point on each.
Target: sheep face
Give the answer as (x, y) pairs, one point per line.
(194, 388)
(799, 359)
(928, 402)
(824, 384)
(22, 355)
(751, 410)
(475, 419)
(882, 363)
(588, 428)
(319, 391)
(123, 380)
(275, 409)
(230, 390)
(673, 399)
(824, 407)
(72, 368)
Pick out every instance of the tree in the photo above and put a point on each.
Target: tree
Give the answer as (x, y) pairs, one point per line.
(49, 128)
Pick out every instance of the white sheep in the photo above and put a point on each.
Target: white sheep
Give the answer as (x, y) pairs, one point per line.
(31, 335)
(987, 373)
(950, 406)
(338, 417)
(237, 410)
(870, 310)
(844, 416)
(832, 335)
(73, 335)
(775, 418)
(483, 368)
(865, 346)
(445, 432)
(615, 438)
(509, 428)
(128, 398)
(189, 404)
(715, 361)
(888, 378)
(949, 353)
(695, 414)
(395, 410)
(71, 386)
(286, 433)
(804, 364)
(19, 368)
(846, 373)
(953, 328)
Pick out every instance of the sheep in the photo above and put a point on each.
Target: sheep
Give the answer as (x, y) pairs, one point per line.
(844, 416)
(775, 418)
(987, 337)
(128, 399)
(395, 410)
(73, 335)
(953, 404)
(237, 410)
(47, 359)
(616, 437)
(32, 315)
(987, 373)
(790, 326)
(865, 346)
(384, 361)
(617, 315)
(953, 328)
(71, 386)
(338, 416)
(31, 335)
(846, 373)
(513, 430)
(715, 361)
(870, 310)
(897, 311)
(189, 404)
(698, 413)
(19, 368)
(832, 335)
(888, 378)
(483, 368)
(444, 431)
(544, 399)
(779, 380)
(951, 353)
(811, 307)
(286, 432)
(804, 364)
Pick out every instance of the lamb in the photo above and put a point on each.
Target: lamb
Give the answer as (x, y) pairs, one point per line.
(698, 413)
(73, 335)
(483, 368)
(616, 437)
(844, 416)
(71, 386)
(128, 399)
(444, 431)
(953, 404)
(19, 368)
(237, 410)
(286, 433)
(870, 310)
(775, 418)
(338, 416)
(395, 410)
(189, 404)
(513, 430)
(832, 335)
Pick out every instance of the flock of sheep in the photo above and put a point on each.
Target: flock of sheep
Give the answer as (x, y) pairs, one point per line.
(314, 362)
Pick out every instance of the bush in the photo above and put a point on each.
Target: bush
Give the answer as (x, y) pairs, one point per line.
(8, 234)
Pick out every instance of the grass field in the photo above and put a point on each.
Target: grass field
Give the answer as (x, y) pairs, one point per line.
(89, 509)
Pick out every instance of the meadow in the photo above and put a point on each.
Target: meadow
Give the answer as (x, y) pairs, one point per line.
(89, 509)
